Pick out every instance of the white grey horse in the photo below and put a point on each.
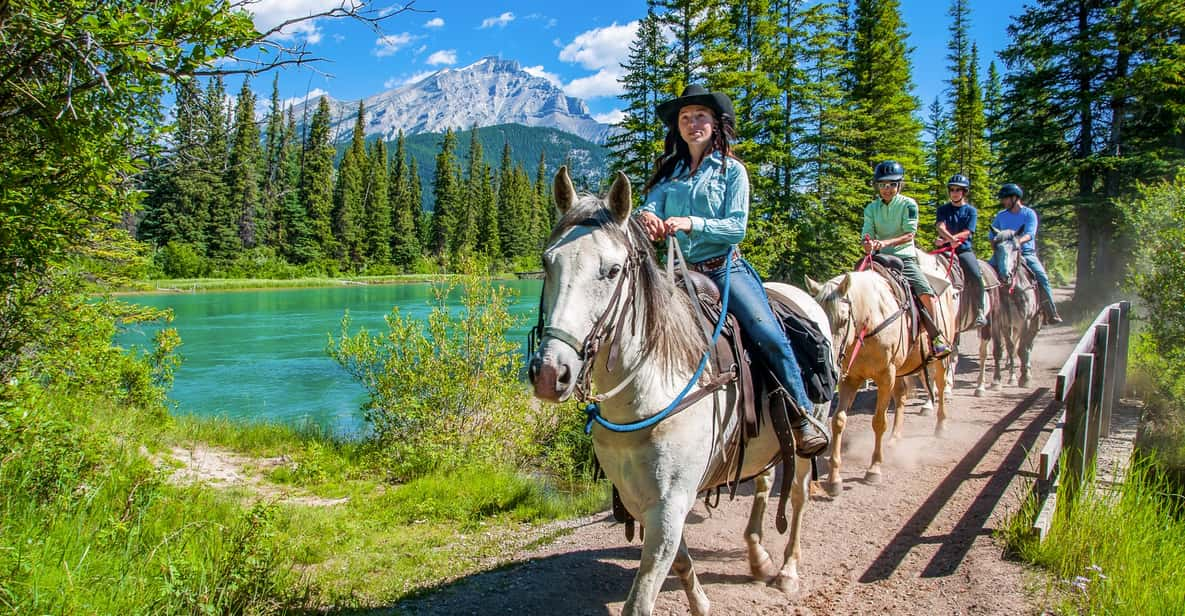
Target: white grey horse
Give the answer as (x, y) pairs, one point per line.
(609, 312)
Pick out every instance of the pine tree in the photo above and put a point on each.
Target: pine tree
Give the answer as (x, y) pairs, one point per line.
(684, 20)
(543, 218)
(316, 181)
(639, 142)
(415, 200)
(470, 213)
(222, 230)
(445, 187)
(512, 220)
(177, 205)
(489, 240)
(349, 215)
(271, 188)
(939, 160)
(993, 105)
(881, 82)
(405, 240)
(968, 145)
(294, 234)
(242, 174)
(377, 205)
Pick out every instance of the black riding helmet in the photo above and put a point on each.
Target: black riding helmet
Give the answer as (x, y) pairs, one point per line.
(959, 180)
(1010, 190)
(889, 170)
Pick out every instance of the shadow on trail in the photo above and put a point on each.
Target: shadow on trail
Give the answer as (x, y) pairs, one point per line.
(953, 547)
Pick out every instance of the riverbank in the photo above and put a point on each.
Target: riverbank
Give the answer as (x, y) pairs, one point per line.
(198, 285)
(116, 508)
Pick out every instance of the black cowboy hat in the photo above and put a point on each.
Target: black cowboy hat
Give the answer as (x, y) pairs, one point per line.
(697, 95)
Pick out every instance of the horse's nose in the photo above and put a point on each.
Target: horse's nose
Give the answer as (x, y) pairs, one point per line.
(552, 382)
(533, 368)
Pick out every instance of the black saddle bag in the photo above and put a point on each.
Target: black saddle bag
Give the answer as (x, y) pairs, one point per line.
(813, 352)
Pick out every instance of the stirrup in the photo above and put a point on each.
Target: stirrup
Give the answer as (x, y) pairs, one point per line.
(939, 349)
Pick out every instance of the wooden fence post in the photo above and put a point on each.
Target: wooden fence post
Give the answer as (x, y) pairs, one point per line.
(1098, 393)
(1077, 422)
(1111, 369)
(1125, 322)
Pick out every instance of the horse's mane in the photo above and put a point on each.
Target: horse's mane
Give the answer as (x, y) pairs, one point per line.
(670, 330)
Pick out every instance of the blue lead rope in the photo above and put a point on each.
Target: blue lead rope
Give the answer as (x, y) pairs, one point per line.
(593, 410)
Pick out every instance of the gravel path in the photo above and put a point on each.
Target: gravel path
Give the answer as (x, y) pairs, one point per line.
(919, 543)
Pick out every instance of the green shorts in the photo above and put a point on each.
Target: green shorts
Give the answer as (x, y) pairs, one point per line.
(917, 280)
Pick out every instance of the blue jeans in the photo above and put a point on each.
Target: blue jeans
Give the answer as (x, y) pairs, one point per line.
(1039, 273)
(763, 332)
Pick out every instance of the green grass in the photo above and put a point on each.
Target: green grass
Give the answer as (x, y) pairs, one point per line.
(107, 532)
(1118, 553)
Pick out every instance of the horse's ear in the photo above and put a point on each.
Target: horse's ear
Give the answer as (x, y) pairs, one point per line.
(844, 284)
(565, 193)
(620, 199)
(813, 287)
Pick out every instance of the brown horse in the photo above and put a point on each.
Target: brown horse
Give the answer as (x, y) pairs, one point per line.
(872, 329)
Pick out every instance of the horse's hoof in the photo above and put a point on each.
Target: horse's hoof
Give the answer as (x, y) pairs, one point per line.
(833, 488)
(764, 569)
(925, 410)
(1023, 382)
(980, 391)
(872, 477)
(787, 584)
(939, 431)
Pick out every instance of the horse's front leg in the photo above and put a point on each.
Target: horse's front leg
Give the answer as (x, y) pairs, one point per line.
(847, 394)
(1025, 351)
(761, 566)
(983, 349)
(998, 352)
(787, 580)
(664, 534)
(885, 382)
(900, 397)
(940, 371)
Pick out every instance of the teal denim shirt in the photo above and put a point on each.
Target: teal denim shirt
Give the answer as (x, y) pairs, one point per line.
(716, 199)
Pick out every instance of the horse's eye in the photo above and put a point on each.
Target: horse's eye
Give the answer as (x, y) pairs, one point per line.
(614, 271)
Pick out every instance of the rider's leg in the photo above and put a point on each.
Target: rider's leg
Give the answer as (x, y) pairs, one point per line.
(974, 279)
(1038, 270)
(748, 302)
(921, 288)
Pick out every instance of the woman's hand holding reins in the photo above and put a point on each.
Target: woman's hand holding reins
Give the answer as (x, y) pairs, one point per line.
(654, 226)
(678, 223)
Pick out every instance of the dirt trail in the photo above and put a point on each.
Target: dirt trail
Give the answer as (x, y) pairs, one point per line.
(919, 543)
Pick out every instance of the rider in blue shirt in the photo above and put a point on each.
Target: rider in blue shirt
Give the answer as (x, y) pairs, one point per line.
(956, 226)
(1022, 219)
(700, 195)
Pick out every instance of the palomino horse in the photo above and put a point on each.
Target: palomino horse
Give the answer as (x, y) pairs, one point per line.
(1017, 320)
(872, 329)
(603, 290)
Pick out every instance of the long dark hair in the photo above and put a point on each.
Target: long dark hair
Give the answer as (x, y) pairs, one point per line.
(675, 149)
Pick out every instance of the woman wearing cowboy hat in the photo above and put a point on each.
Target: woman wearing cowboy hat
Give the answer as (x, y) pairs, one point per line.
(700, 195)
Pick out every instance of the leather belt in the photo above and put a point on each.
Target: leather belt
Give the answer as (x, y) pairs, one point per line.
(714, 263)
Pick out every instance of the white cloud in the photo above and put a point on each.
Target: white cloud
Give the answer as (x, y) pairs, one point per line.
(499, 21)
(601, 48)
(435, 22)
(602, 83)
(391, 43)
(444, 56)
(538, 71)
(313, 95)
(268, 14)
(610, 117)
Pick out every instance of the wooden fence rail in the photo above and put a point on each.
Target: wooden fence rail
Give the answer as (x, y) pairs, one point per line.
(1088, 386)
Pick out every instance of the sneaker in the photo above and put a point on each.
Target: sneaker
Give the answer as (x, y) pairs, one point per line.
(939, 348)
(809, 439)
(1053, 319)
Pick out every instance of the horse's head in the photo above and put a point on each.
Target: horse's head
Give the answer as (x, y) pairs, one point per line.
(833, 296)
(1005, 254)
(590, 255)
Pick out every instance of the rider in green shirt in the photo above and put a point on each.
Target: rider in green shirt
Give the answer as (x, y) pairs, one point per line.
(890, 224)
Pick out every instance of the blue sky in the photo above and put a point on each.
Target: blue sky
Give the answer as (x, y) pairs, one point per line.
(577, 45)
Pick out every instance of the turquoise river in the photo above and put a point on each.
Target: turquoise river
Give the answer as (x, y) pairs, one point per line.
(260, 355)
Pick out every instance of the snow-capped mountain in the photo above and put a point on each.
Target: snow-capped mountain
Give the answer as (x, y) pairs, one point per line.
(488, 92)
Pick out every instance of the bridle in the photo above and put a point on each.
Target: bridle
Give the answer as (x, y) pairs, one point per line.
(611, 321)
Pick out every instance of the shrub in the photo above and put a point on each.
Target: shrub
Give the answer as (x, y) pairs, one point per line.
(181, 260)
(445, 392)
